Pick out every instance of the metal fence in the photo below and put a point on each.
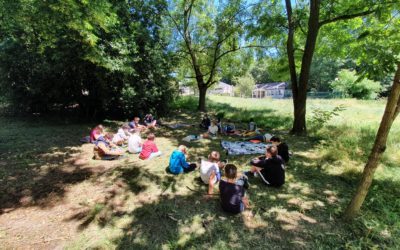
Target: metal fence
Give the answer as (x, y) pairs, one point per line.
(318, 95)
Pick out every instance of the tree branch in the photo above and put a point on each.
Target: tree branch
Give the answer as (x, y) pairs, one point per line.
(346, 17)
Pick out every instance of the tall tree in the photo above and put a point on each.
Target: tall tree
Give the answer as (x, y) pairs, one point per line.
(321, 13)
(100, 56)
(207, 32)
(380, 38)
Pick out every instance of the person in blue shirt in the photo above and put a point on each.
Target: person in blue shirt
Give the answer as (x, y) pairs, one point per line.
(178, 163)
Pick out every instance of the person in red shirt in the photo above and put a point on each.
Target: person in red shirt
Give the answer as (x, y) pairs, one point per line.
(149, 148)
(96, 133)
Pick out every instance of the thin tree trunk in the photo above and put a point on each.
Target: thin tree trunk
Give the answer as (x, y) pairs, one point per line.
(391, 111)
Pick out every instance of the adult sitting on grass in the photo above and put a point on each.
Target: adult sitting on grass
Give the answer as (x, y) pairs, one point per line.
(135, 142)
(150, 121)
(232, 191)
(149, 148)
(283, 148)
(210, 170)
(96, 133)
(103, 149)
(205, 122)
(271, 168)
(134, 124)
(178, 163)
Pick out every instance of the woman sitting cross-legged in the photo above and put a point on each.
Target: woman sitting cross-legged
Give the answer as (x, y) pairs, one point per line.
(232, 191)
(178, 163)
(103, 149)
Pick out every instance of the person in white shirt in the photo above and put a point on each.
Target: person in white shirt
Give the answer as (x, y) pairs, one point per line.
(135, 142)
(213, 129)
(121, 136)
(210, 170)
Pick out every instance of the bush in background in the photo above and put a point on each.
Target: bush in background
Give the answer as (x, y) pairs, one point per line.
(349, 83)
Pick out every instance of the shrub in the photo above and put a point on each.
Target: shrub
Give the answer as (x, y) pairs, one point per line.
(349, 83)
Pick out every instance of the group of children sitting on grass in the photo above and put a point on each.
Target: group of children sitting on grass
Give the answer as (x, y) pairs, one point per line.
(232, 185)
(107, 145)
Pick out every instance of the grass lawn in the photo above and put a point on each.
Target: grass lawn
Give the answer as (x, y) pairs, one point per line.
(53, 195)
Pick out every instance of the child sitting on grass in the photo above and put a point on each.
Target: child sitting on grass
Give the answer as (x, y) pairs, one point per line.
(270, 167)
(149, 148)
(104, 150)
(150, 121)
(205, 122)
(232, 191)
(283, 148)
(121, 137)
(212, 130)
(210, 170)
(135, 142)
(178, 163)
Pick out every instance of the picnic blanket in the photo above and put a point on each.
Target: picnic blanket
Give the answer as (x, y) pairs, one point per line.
(243, 147)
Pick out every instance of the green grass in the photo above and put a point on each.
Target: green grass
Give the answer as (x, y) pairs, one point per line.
(133, 204)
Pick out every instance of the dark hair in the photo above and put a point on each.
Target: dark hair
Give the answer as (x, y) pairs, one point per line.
(273, 150)
(251, 119)
(230, 171)
(275, 139)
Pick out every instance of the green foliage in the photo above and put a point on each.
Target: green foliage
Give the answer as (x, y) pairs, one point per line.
(244, 85)
(91, 55)
(321, 117)
(350, 84)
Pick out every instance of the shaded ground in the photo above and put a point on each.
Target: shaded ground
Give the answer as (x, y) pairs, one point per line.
(55, 196)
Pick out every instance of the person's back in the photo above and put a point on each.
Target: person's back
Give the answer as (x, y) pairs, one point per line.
(177, 162)
(134, 143)
(148, 148)
(283, 151)
(206, 169)
(273, 170)
(283, 148)
(231, 195)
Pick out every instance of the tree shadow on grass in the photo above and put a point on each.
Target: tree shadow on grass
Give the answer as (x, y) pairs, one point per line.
(39, 160)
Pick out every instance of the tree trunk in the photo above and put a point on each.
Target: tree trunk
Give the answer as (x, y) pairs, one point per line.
(299, 89)
(299, 123)
(391, 111)
(202, 98)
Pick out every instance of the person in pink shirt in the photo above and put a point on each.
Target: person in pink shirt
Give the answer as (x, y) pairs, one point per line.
(149, 148)
(96, 133)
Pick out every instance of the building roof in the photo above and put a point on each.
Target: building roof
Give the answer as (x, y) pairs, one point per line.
(223, 85)
(270, 86)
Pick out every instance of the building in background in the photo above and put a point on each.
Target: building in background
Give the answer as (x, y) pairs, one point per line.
(270, 90)
(222, 88)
